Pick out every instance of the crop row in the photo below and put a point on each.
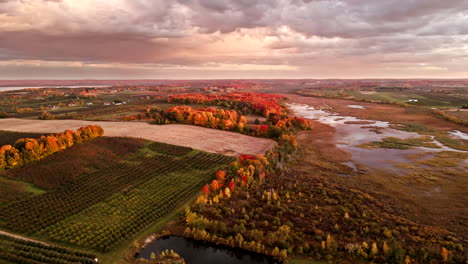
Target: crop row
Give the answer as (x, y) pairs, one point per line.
(205, 160)
(104, 225)
(169, 149)
(14, 250)
(38, 212)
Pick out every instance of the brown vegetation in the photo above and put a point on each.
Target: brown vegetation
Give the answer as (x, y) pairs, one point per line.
(81, 159)
(382, 112)
(9, 137)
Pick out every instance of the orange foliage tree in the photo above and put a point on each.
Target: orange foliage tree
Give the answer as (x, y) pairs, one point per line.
(27, 150)
(258, 103)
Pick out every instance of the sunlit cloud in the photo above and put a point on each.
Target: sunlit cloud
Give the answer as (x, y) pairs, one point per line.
(290, 38)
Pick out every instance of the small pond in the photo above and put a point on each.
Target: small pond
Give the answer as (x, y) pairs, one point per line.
(356, 106)
(197, 252)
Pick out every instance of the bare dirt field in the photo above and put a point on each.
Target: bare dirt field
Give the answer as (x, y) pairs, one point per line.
(210, 140)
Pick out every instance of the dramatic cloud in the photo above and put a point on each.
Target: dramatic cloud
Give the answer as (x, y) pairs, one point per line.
(242, 38)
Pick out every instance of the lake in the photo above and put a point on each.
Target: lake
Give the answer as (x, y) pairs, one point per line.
(5, 89)
(198, 252)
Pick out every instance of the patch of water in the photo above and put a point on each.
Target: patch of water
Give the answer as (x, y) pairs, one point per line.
(352, 165)
(332, 119)
(380, 158)
(5, 89)
(356, 106)
(459, 134)
(198, 252)
(350, 136)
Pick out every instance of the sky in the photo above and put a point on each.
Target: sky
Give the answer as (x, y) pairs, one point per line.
(203, 39)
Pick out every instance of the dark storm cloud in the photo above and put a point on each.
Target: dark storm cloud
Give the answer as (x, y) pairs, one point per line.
(350, 19)
(326, 18)
(86, 47)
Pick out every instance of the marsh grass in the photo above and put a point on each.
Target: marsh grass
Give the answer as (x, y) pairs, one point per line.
(440, 162)
(441, 136)
(397, 143)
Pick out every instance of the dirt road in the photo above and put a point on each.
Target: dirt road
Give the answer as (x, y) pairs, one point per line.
(21, 237)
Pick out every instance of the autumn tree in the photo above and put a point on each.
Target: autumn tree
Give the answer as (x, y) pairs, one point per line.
(220, 175)
(26, 150)
(214, 185)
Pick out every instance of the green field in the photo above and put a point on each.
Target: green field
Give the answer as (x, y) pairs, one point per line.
(102, 208)
(424, 98)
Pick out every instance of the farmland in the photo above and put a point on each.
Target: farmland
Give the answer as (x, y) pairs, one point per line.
(9, 138)
(15, 250)
(222, 142)
(256, 184)
(128, 186)
(233, 132)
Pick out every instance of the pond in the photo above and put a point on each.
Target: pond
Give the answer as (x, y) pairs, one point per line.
(197, 252)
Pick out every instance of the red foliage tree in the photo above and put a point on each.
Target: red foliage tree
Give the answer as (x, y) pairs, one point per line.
(206, 189)
(232, 186)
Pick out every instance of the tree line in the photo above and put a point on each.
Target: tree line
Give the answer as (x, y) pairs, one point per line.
(27, 150)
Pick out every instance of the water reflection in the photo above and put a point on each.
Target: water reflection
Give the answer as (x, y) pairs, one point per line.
(18, 88)
(197, 252)
(350, 135)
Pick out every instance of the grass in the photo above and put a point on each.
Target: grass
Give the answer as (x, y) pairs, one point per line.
(414, 127)
(111, 116)
(433, 168)
(445, 159)
(426, 99)
(441, 136)
(13, 190)
(452, 143)
(423, 176)
(440, 162)
(397, 143)
(403, 97)
(452, 154)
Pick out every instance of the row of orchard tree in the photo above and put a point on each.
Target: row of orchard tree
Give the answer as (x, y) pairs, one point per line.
(27, 150)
